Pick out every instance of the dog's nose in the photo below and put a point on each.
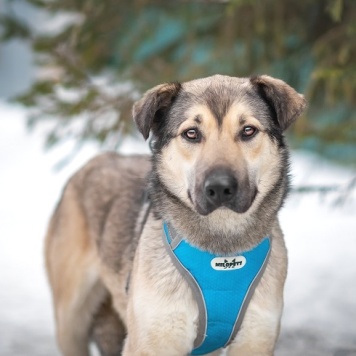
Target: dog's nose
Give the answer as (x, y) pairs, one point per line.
(220, 187)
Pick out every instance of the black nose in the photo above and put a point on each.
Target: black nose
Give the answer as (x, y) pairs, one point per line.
(220, 187)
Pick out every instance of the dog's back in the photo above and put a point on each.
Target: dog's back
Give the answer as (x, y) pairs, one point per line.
(91, 235)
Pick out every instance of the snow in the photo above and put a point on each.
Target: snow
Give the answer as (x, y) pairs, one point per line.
(320, 296)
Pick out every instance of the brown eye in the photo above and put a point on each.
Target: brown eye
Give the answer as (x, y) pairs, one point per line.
(248, 132)
(192, 135)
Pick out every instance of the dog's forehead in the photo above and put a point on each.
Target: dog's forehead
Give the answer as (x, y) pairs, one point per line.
(218, 93)
(215, 82)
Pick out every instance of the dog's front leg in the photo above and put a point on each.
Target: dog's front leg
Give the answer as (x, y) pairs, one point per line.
(159, 324)
(259, 332)
(162, 313)
(255, 348)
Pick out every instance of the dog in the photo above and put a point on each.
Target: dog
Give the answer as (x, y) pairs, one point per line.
(215, 181)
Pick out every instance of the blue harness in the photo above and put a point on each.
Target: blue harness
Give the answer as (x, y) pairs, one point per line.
(222, 286)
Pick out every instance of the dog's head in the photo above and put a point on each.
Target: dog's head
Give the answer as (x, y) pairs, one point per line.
(218, 141)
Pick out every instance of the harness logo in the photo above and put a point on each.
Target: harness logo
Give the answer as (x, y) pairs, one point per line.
(228, 263)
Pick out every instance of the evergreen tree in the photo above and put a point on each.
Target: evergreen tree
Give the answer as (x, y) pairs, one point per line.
(95, 66)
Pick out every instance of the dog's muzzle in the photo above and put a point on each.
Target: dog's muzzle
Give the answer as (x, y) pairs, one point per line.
(221, 188)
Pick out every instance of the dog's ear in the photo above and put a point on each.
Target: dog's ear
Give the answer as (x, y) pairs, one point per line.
(285, 103)
(149, 110)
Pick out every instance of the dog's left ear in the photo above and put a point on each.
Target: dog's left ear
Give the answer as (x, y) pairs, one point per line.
(284, 101)
(150, 110)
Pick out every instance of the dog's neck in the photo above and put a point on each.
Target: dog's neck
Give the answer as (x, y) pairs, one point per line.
(222, 231)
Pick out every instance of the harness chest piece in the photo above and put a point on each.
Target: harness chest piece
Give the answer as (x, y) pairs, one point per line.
(221, 285)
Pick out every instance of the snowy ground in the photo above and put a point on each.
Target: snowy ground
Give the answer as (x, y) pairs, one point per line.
(320, 301)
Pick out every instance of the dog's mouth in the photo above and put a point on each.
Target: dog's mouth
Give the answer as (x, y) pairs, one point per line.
(238, 206)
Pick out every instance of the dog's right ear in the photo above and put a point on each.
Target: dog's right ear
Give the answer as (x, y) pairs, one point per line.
(149, 110)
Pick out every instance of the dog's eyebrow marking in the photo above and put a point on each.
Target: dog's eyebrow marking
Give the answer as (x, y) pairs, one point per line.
(242, 120)
(198, 119)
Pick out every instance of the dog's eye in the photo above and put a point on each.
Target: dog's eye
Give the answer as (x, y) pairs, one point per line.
(192, 135)
(248, 132)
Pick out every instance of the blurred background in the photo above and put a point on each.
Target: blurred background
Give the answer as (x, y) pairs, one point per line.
(69, 73)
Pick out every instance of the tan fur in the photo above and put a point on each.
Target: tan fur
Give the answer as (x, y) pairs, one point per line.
(72, 266)
(109, 279)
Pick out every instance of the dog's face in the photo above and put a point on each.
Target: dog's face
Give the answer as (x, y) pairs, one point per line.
(218, 140)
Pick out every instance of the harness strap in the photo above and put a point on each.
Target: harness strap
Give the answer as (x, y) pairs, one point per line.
(222, 286)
